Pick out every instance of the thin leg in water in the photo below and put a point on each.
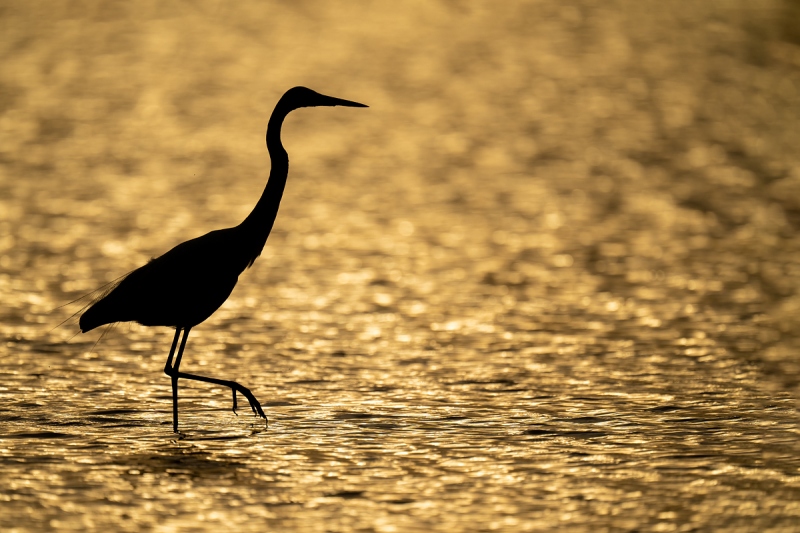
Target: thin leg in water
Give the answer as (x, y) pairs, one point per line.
(168, 370)
(236, 387)
(172, 371)
(175, 374)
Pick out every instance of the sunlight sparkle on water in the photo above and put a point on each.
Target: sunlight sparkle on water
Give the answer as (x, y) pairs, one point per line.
(547, 281)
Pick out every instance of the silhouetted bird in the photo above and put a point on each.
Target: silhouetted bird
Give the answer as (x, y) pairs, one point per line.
(187, 284)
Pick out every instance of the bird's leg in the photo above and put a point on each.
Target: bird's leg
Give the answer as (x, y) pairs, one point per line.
(235, 387)
(174, 374)
(168, 371)
(168, 366)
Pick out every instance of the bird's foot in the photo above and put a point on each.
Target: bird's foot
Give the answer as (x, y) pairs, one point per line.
(254, 405)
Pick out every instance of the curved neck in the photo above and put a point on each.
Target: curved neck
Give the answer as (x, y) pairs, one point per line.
(259, 222)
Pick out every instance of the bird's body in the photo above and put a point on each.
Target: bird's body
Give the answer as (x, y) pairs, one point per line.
(167, 292)
(184, 287)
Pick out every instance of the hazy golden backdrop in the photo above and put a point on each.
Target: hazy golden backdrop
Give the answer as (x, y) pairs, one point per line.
(550, 280)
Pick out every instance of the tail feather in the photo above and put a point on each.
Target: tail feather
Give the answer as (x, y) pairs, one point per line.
(102, 310)
(90, 319)
(99, 314)
(92, 297)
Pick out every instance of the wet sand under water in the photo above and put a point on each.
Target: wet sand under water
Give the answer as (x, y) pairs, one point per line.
(548, 281)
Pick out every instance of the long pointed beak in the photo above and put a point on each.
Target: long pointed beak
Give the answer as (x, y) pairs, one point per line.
(331, 101)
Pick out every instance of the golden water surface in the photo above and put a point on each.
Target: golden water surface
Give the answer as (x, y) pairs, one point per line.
(548, 281)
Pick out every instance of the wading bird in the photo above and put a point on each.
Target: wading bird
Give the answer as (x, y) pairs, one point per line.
(183, 287)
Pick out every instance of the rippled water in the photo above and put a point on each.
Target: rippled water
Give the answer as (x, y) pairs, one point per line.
(548, 281)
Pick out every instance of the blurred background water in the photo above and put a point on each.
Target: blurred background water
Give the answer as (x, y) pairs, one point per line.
(550, 280)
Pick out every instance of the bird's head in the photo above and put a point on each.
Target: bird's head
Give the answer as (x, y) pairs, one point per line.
(297, 97)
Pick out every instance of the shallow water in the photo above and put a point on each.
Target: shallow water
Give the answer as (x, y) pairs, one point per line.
(548, 281)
